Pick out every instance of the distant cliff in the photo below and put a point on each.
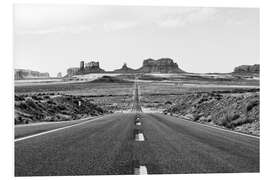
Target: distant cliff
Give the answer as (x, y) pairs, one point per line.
(247, 69)
(163, 65)
(29, 74)
(125, 69)
(85, 68)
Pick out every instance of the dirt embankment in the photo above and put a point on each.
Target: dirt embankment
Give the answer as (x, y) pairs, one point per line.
(53, 107)
(236, 111)
(110, 79)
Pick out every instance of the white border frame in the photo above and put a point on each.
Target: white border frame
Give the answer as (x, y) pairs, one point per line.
(7, 89)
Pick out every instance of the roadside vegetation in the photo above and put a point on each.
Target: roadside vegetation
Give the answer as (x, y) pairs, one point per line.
(236, 111)
(225, 102)
(48, 107)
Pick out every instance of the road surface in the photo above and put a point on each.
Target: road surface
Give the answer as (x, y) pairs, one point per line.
(136, 107)
(134, 143)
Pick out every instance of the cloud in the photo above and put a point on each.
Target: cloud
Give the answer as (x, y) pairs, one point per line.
(170, 22)
(76, 29)
(118, 25)
(186, 16)
(57, 29)
(41, 20)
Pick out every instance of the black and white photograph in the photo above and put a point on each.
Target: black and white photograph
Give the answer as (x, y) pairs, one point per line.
(135, 90)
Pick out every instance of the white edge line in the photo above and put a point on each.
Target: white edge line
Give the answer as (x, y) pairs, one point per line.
(54, 130)
(186, 119)
(49, 123)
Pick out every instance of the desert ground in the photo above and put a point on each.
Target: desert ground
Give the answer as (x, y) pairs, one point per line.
(224, 100)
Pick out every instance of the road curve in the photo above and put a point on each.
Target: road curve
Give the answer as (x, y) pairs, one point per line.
(107, 146)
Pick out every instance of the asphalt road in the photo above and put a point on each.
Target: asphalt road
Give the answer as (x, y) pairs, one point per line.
(136, 107)
(35, 128)
(107, 146)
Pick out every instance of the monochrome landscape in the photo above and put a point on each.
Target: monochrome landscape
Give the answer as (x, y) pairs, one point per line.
(113, 90)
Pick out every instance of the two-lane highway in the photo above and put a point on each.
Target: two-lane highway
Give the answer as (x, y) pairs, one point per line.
(136, 107)
(132, 143)
(107, 146)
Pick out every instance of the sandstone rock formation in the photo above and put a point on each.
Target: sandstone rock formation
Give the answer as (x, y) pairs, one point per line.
(72, 71)
(87, 68)
(247, 69)
(59, 75)
(163, 65)
(92, 67)
(125, 69)
(28, 74)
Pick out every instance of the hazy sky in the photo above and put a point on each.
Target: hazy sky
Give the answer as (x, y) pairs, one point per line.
(52, 38)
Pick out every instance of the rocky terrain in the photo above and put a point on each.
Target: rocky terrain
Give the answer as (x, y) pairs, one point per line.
(91, 67)
(28, 74)
(247, 69)
(236, 110)
(110, 79)
(46, 107)
(125, 69)
(227, 100)
(163, 65)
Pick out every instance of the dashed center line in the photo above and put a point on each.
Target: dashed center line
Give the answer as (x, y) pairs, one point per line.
(138, 123)
(140, 170)
(139, 137)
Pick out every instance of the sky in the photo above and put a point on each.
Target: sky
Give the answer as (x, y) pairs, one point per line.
(52, 38)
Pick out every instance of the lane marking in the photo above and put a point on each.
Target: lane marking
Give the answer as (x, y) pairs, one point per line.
(142, 170)
(51, 123)
(235, 132)
(54, 130)
(138, 123)
(139, 137)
